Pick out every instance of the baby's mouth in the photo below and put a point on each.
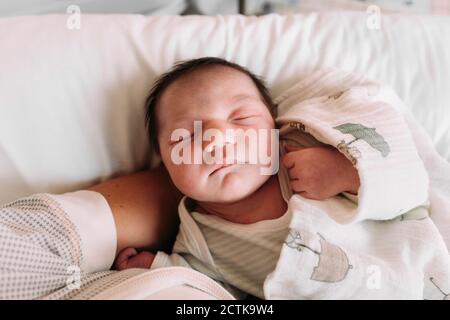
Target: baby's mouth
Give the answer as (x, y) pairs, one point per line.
(225, 165)
(220, 167)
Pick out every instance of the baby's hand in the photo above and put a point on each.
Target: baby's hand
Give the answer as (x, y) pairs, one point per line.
(130, 258)
(320, 172)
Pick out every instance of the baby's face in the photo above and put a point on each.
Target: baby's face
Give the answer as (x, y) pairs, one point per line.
(221, 98)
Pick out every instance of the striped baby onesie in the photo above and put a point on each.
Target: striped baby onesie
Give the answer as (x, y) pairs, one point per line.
(238, 256)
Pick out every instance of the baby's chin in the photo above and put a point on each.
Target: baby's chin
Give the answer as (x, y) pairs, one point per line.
(231, 186)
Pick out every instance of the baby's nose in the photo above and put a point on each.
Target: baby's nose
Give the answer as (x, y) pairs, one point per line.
(219, 125)
(216, 135)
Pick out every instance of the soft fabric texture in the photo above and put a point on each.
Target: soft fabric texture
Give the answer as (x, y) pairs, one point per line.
(380, 244)
(387, 244)
(54, 228)
(71, 111)
(61, 247)
(71, 101)
(356, 116)
(236, 255)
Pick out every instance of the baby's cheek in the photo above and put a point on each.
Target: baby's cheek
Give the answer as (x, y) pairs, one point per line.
(268, 147)
(187, 179)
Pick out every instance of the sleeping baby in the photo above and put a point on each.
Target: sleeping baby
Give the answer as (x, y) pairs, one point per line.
(234, 219)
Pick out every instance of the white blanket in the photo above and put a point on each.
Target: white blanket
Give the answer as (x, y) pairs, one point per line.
(390, 242)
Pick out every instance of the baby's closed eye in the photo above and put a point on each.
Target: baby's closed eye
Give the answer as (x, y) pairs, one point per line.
(245, 119)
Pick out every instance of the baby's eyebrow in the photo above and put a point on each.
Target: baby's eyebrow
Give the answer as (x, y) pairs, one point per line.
(181, 120)
(233, 100)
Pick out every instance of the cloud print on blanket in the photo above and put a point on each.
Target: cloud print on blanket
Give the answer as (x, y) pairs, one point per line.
(380, 244)
(358, 131)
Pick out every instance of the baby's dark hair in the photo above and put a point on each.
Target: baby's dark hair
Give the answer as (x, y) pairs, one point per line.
(184, 67)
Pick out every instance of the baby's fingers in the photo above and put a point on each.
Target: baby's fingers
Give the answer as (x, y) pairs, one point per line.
(300, 189)
(288, 160)
(289, 148)
(123, 257)
(293, 154)
(142, 260)
(294, 173)
(297, 185)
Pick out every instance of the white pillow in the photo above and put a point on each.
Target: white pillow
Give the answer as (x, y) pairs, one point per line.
(71, 101)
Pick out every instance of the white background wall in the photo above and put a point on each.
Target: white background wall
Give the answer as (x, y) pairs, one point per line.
(211, 7)
(25, 7)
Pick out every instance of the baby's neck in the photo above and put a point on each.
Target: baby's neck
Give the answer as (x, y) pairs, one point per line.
(264, 204)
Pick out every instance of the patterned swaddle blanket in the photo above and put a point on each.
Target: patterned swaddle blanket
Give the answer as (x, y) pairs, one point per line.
(382, 245)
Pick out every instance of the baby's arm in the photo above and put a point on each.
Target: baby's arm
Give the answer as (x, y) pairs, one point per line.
(130, 258)
(320, 172)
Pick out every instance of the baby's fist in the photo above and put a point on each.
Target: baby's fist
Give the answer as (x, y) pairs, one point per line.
(320, 172)
(130, 258)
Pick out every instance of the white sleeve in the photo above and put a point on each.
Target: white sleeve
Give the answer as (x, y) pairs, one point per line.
(45, 238)
(90, 213)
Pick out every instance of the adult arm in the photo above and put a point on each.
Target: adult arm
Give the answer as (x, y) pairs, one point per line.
(144, 206)
(45, 238)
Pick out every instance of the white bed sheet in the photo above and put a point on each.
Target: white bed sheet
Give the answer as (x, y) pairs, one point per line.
(71, 101)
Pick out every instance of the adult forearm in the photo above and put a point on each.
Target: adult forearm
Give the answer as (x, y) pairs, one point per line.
(144, 206)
